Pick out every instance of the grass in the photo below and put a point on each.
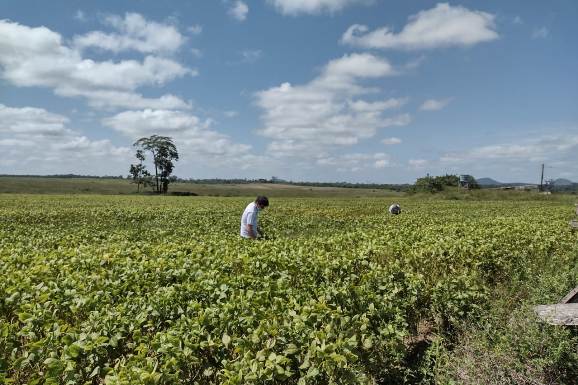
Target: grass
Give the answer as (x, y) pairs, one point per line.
(452, 193)
(104, 186)
(44, 185)
(510, 346)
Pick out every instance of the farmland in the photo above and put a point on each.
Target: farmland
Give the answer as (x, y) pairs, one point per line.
(162, 290)
(109, 186)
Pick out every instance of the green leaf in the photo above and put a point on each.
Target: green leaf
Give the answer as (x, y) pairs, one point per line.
(312, 372)
(226, 339)
(74, 350)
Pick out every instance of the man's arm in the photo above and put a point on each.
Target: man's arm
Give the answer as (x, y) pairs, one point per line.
(252, 232)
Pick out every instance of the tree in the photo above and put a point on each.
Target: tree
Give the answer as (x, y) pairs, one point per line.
(472, 183)
(428, 184)
(138, 172)
(448, 180)
(436, 183)
(164, 153)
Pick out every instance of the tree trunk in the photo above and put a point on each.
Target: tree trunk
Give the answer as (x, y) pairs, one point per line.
(156, 173)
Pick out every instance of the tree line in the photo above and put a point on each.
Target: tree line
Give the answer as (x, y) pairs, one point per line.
(434, 184)
(164, 153)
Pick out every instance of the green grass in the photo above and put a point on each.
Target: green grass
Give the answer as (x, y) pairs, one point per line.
(103, 186)
(44, 185)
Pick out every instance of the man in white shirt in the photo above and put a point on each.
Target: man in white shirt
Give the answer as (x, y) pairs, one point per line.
(395, 209)
(250, 218)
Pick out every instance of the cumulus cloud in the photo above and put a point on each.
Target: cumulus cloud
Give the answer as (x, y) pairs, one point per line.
(31, 121)
(328, 112)
(364, 106)
(238, 10)
(435, 104)
(134, 32)
(442, 26)
(519, 160)
(37, 57)
(539, 149)
(35, 139)
(355, 161)
(295, 7)
(147, 122)
(197, 141)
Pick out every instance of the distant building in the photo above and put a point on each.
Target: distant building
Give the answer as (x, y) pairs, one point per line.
(465, 181)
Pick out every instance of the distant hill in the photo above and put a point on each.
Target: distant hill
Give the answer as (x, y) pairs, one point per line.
(562, 182)
(488, 182)
(558, 183)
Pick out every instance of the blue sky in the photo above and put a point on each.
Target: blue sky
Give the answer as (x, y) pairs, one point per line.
(317, 90)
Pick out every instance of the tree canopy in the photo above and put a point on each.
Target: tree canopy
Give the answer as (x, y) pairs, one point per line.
(164, 153)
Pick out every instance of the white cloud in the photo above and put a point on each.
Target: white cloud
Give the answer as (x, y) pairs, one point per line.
(37, 57)
(109, 99)
(381, 163)
(518, 20)
(197, 141)
(441, 26)
(414, 63)
(363, 106)
(390, 141)
(538, 149)
(328, 111)
(540, 33)
(435, 104)
(519, 160)
(398, 120)
(147, 122)
(31, 121)
(238, 10)
(418, 163)
(295, 7)
(355, 161)
(36, 139)
(134, 33)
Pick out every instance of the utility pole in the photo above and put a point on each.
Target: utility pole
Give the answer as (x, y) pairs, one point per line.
(542, 179)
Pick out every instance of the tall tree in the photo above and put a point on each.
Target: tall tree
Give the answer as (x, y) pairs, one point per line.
(164, 153)
(138, 172)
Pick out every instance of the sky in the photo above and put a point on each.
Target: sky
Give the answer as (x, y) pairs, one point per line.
(304, 90)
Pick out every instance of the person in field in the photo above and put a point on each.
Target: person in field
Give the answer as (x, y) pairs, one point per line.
(395, 209)
(250, 218)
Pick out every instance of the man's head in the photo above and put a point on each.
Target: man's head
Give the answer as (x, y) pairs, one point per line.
(262, 202)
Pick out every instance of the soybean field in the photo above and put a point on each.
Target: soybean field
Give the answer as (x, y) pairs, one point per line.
(162, 290)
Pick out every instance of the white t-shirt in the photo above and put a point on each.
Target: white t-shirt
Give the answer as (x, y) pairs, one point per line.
(250, 217)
